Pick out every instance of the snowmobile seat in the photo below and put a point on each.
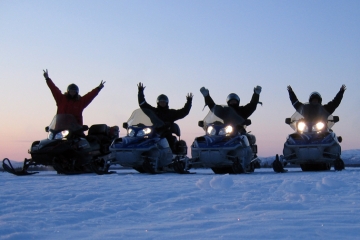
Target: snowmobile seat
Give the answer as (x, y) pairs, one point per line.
(180, 148)
(99, 133)
(99, 129)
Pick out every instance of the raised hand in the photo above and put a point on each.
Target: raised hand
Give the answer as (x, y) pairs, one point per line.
(101, 85)
(343, 88)
(289, 88)
(257, 89)
(46, 74)
(204, 91)
(141, 87)
(189, 96)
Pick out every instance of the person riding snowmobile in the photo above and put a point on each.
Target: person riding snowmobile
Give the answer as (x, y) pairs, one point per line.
(233, 101)
(314, 108)
(168, 116)
(71, 102)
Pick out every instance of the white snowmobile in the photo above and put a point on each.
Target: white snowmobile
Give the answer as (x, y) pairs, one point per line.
(145, 149)
(313, 145)
(226, 147)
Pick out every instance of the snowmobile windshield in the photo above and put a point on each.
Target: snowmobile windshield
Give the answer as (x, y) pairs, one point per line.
(223, 114)
(313, 113)
(62, 122)
(144, 117)
(321, 116)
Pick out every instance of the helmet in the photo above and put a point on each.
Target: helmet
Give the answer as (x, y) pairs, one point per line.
(73, 87)
(162, 97)
(315, 95)
(233, 96)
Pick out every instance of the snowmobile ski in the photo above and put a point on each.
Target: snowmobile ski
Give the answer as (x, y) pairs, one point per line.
(7, 166)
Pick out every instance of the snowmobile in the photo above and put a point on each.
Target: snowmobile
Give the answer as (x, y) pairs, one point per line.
(313, 145)
(226, 147)
(68, 150)
(145, 148)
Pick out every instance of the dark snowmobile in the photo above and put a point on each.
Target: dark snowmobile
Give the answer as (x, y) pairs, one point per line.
(313, 145)
(68, 150)
(226, 147)
(145, 149)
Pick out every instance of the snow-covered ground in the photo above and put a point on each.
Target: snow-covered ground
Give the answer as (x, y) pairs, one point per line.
(130, 205)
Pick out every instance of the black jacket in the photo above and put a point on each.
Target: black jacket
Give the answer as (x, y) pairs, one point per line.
(329, 107)
(165, 114)
(243, 111)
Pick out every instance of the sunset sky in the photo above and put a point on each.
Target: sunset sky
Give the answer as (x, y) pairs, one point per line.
(175, 47)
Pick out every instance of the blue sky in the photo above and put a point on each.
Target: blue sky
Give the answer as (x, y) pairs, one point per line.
(176, 47)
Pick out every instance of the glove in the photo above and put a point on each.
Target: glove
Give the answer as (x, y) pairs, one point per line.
(46, 74)
(204, 91)
(189, 97)
(289, 88)
(141, 87)
(101, 85)
(257, 89)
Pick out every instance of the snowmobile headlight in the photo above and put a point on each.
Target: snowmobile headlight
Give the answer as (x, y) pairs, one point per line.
(59, 135)
(226, 130)
(301, 126)
(131, 132)
(318, 126)
(211, 130)
(143, 132)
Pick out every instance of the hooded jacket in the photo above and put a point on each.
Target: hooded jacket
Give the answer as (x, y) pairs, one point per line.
(66, 105)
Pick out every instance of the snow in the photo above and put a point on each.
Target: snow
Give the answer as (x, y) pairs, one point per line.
(130, 205)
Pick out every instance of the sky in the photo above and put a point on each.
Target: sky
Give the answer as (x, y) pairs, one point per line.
(174, 48)
(204, 205)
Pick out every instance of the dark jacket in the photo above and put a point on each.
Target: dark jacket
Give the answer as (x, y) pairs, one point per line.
(65, 105)
(329, 107)
(243, 111)
(165, 114)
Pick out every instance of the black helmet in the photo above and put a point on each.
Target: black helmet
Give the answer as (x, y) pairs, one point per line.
(162, 97)
(73, 87)
(315, 95)
(233, 96)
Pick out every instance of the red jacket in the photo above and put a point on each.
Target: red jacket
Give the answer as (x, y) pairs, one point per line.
(71, 106)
